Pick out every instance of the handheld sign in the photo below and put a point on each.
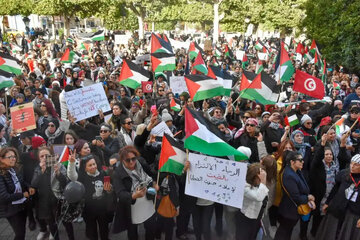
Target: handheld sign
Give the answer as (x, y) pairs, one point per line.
(23, 117)
(86, 102)
(217, 180)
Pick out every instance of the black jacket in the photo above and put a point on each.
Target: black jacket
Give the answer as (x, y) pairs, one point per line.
(296, 186)
(271, 135)
(122, 186)
(88, 133)
(250, 142)
(7, 195)
(317, 174)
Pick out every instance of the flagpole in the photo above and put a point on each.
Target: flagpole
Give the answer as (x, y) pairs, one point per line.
(187, 159)
(6, 107)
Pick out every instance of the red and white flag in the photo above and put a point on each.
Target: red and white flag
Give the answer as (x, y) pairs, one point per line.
(309, 85)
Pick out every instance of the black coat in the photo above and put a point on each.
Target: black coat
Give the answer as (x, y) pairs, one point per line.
(88, 133)
(295, 184)
(250, 142)
(271, 135)
(317, 175)
(122, 186)
(7, 195)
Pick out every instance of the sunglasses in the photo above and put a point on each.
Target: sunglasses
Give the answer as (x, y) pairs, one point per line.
(38, 94)
(51, 125)
(42, 105)
(354, 112)
(246, 117)
(130, 159)
(251, 125)
(104, 131)
(92, 66)
(299, 159)
(258, 108)
(128, 123)
(160, 90)
(309, 123)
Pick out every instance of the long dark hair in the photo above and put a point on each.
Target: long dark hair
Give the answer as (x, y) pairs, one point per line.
(3, 152)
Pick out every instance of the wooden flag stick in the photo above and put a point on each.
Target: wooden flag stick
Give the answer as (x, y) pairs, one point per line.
(157, 182)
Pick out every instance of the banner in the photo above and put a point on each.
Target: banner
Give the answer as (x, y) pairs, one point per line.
(86, 102)
(262, 56)
(121, 39)
(23, 117)
(178, 84)
(160, 129)
(215, 179)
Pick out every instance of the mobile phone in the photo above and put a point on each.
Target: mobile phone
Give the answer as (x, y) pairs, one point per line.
(154, 110)
(142, 185)
(98, 138)
(106, 179)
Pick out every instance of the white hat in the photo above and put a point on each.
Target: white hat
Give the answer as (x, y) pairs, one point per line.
(165, 116)
(356, 158)
(245, 150)
(305, 118)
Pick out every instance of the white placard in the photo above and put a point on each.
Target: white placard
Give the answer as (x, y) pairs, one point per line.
(178, 44)
(262, 56)
(178, 84)
(141, 59)
(217, 180)
(87, 101)
(122, 39)
(239, 54)
(160, 129)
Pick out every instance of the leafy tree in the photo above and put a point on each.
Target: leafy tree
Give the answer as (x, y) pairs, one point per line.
(15, 7)
(335, 26)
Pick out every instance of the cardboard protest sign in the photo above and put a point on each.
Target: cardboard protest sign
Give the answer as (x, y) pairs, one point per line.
(23, 117)
(86, 102)
(217, 180)
(178, 84)
(122, 39)
(160, 129)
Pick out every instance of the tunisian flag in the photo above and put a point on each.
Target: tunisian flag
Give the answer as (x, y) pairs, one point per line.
(309, 85)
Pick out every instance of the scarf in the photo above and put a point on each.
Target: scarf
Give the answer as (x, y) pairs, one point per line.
(138, 175)
(52, 136)
(93, 175)
(17, 184)
(275, 126)
(300, 147)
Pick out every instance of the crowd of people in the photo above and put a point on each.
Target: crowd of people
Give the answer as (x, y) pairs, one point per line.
(307, 171)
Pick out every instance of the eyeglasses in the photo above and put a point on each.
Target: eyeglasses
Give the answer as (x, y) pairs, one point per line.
(130, 159)
(51, 125)
(104, 131)
(128, 123)
(246, 117)
(354, 112)
(92, 66)
(42, 105)
(160, 90)
(299, 159)
(258, 108)
(309, 123)
(10, 157)
(38, 94)
(251, 125)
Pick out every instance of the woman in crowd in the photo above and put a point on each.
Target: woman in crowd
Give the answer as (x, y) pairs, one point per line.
(48, 110)
(132, 178)
(13, 192)
(70, 138)
(118, 110)
(322, 176)
(297, 137)
(48, 182)
(248, 136)
(307, 130)
(53, 134)
(248, 219)
(98, 190)
(295, 193)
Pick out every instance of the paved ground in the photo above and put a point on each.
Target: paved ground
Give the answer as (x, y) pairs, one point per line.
(6, 233)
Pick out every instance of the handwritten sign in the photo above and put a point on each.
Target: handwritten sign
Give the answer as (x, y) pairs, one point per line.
(160, 129)
(86, 102)
(23, 117)
(178, 84)
(217, 180)
(262, 56)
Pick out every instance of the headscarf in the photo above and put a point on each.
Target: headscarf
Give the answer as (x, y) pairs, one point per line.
(242, 130)
(301, 147)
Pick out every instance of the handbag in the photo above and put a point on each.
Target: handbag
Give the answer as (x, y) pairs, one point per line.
(302, 209)
(166, 207)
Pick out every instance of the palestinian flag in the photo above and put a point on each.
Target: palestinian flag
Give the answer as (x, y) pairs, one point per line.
(202, 87)
(84, 46)
(246, 79)
(174, 106)
(259, 46)
(259, 67)
(172, 156)
(339, 125)
(223, 77)
(166, 39)
(162, 62)
(218, 52)
(314, 48)
(70, 40)
(132, 75)
(159, 45)
(194, 48)
(6, 80)
(300, 51)
(324, 73)
(283, 66)
(203, 136)
(291, 121)
(318, 62)
(199, 64)
(263, 89)
(15, 48)
(68, 56)
(244, 61)
(336, 85)
(9, 64)
(64, 157)
(98, 36)
(307, 54)
(228, 52)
